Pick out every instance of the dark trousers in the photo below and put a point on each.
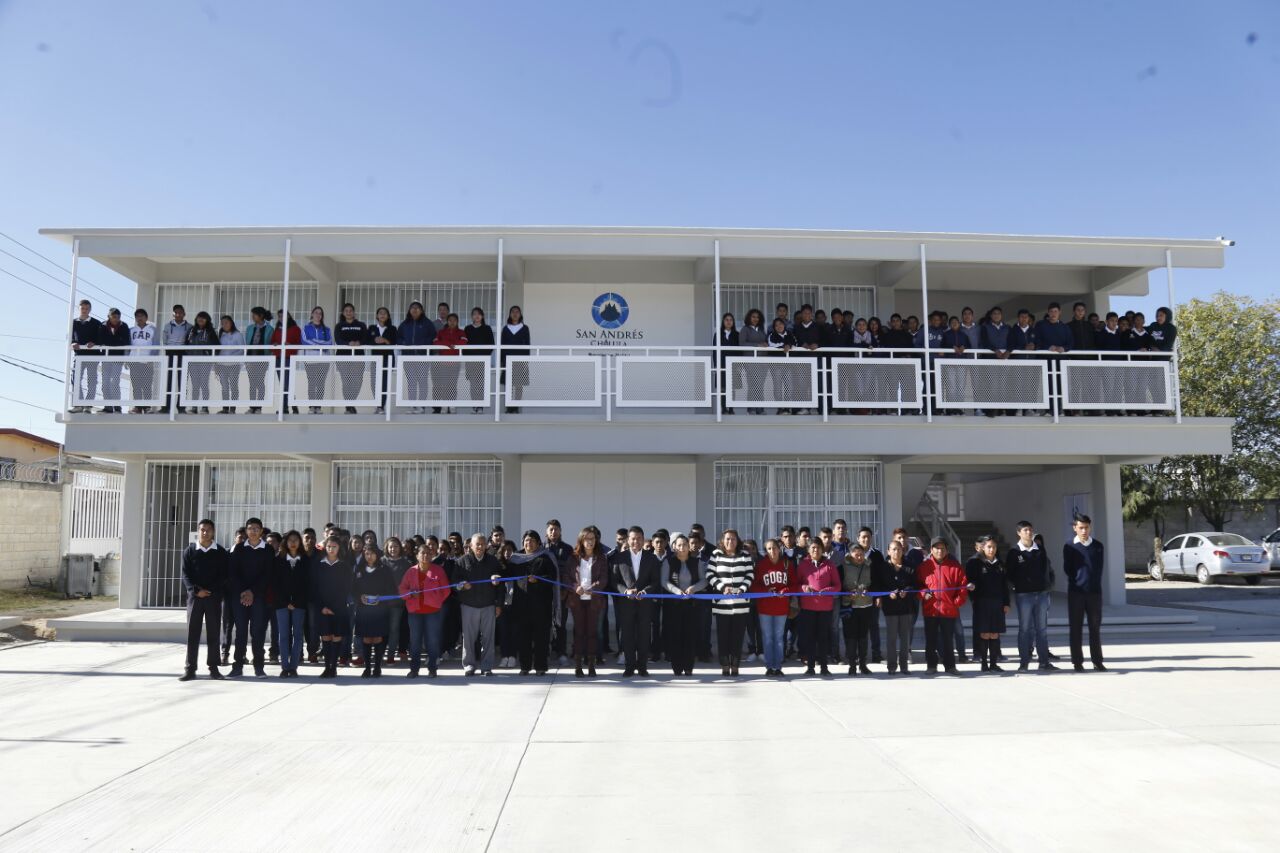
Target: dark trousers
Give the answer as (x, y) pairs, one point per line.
(755, 643)
(730, 628)
(586, 625)
(857, 634)
(634, 619)
(874, 629)
(533, 634)
(559, 636)
(205, 612)
(603, 629)
(312, 629)
(228, 622)
(1080, 605)
(251, 622)
(939, 641)
(655, 636)
(814, 627)
(680, 633)
(704, 628)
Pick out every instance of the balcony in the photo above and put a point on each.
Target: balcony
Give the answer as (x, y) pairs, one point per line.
(615, 383)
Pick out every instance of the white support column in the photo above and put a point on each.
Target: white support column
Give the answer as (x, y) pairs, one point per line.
(322, 490)
(283, 325)
(1176, 384)
(499, 322)
(924, 309)
(1108, 526)
(890, 501)
(719, 399)
(68, 382)
(133, 512)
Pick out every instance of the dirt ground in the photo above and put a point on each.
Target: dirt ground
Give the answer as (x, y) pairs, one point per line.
(35, 605)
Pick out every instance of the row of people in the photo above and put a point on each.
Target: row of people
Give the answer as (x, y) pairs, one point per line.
(346, 589)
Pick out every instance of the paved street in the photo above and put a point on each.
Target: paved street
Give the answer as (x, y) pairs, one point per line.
(1177, 749)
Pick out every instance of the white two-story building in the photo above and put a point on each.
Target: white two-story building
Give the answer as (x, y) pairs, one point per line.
(620, 394)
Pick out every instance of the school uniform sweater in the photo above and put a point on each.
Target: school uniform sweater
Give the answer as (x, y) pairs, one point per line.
(1028, 569)
(1083, 565)
(990, 579)
(251, 569)
(730, 572)
(203, 569)
(290, 581)
(1053, 335)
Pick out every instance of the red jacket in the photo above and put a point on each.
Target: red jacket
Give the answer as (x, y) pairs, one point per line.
(416, 581)
(774, 577)
(293, 336)
(820, 578)
(450, 338)
(948, 576)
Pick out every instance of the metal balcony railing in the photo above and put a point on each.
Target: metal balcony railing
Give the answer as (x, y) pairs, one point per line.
(577, 382)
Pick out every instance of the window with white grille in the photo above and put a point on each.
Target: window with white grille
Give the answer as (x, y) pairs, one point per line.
(405, 497)
(179, 494)
(396, 296)
(739, 298)
(758, 497)
(236, 298)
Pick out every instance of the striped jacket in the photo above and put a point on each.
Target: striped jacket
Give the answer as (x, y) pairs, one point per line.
(730, 572)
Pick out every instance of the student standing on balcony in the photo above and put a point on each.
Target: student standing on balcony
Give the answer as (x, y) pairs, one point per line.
(754, 334)
(417, 331)
(1082, 330)
(730, 572)
(838, 335)
(728, 336)
(142, 378)
(442, 314)
(290, 592)
(781, 342)
(228, 368)
(480, 339)
(202, 334)
(808, 337)
(382, 336)
(1163, 332)
(292, 336)
(515, 341)
(318, 340)
(174, 338)
(258, 338)
(84, 342)
(204, 574)
(995, 338)
(1054, 338)
(351, 336)
(450, 337)
(944, 591)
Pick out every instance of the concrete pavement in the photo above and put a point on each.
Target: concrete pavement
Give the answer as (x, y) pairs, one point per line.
(1178, 749)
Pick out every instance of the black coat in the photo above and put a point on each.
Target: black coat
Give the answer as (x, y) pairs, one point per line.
(476, 572)
(621, 574)
(291, 584)
(118, 337)
(893, 579)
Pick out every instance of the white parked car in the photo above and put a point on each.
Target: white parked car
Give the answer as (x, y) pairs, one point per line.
(1272, 543)
(1211, 555)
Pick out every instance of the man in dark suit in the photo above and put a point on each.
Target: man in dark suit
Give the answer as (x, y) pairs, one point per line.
(634, 572)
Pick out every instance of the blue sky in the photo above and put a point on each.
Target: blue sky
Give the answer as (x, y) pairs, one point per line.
(1122, 118)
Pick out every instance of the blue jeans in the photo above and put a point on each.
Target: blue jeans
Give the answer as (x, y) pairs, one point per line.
(426, 627)
(1033, 622)
(771, 630)
(290, 623)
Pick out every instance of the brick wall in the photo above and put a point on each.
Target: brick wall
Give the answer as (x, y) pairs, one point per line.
(30, 522)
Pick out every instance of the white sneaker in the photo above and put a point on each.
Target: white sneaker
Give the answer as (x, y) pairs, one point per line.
(622, 659)
(562, 661)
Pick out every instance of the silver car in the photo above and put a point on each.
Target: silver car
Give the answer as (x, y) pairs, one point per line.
(1272, 543)
(1211, 555)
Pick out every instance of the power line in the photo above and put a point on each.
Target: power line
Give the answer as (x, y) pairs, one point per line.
(32, 405)
(48, 274)
(59, 297)
(31, 363)
(34, 338)
(64, 269)
(28, 369)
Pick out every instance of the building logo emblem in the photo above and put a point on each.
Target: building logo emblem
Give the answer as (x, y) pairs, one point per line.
(610, 311)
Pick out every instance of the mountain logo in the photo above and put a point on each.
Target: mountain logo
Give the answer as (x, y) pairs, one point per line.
(610, 311)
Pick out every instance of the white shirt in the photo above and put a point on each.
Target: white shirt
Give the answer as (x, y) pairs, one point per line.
(1034, 546)
(635, 564)
(1084, 542)
(200, 547)
(584, 576)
